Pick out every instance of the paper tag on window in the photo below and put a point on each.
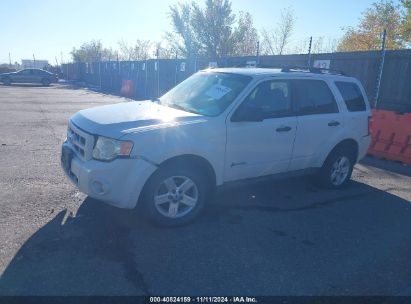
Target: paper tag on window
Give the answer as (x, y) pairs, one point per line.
(217, 91)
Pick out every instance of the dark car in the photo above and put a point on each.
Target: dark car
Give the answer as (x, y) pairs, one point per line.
(29, 76)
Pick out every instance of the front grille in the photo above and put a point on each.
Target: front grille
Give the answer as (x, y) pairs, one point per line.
(78, 141)
(81, 141)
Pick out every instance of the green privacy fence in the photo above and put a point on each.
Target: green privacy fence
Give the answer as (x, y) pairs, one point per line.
(152, 78)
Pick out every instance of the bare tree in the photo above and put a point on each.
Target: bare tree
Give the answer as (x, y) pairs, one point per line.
(165, 51)
(276, 40)
(138, 51)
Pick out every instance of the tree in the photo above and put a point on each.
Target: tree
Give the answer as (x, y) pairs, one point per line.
(213, 26)
(183, 37)
(91, 51)
(245, 36)
(406, 23)
(211, 30)
(383, 14)
(276, 40)
(165, 52)
(139, 51)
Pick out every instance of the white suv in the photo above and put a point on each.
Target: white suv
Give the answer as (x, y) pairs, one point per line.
(218, 126)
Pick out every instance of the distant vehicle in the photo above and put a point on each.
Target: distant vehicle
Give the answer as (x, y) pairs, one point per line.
(218, 126)
(29, 76)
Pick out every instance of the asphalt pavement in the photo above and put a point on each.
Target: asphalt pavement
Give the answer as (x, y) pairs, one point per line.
(274, 238)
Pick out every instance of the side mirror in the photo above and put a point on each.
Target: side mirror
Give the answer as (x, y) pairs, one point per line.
(248, 114)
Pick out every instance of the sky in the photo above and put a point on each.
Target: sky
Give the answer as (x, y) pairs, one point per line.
(50, 29)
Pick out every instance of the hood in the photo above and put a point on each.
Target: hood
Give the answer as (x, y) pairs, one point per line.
(131, 117)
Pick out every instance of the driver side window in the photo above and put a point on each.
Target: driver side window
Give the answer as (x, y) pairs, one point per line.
(272, 98)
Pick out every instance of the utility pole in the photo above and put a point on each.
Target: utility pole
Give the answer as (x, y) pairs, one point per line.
(381, 68)
(99, 68)
(9, 60)
(175, 76)
(309, 52)
(158, 72)
(34, 61)
(258, 53)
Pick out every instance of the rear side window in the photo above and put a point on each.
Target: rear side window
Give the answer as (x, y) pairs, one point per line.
(352, 96)
(314, 97)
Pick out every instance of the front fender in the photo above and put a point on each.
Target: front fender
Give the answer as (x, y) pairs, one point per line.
(157, 146)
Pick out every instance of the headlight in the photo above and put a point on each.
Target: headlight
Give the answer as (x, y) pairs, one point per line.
(107, 148)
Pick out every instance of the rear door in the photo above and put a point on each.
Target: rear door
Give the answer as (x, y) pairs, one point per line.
(319, 123)
(38, 76)
(358, 113)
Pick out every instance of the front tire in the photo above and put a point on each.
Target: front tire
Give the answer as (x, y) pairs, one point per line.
(6, 81)
(175, 195)
(337, 169)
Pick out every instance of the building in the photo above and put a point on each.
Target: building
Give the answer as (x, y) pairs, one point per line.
(33, 64)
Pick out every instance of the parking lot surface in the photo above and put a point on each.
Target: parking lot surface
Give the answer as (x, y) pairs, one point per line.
(273, 238)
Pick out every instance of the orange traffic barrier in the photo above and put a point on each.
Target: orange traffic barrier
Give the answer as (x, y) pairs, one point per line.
(127, 88)
(391, 136)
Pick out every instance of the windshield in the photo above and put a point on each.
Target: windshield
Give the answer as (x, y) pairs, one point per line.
(206, 93)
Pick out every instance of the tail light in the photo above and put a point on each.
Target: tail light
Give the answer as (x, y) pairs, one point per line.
(370, 125)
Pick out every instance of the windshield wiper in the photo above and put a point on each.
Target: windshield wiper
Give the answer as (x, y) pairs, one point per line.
(178, 107)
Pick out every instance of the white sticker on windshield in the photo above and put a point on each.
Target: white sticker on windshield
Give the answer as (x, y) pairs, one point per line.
(217, 91)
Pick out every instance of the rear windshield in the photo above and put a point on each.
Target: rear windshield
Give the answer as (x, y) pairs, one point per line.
(352, 96)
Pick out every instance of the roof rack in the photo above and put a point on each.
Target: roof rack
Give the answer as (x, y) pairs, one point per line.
(311, 70)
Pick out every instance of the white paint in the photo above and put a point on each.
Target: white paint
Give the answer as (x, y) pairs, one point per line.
(322, 64)
(235, 150)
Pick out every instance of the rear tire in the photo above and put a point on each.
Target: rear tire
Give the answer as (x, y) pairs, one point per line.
(175, 195)
(337, 169)
(46, 82)
(6, 81)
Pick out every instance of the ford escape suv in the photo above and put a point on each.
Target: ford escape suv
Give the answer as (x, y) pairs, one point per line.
(217, 126)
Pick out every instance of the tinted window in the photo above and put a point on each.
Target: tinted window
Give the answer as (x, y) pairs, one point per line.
(25, 72)
(352, 96)
(272, 97)
(314, 97)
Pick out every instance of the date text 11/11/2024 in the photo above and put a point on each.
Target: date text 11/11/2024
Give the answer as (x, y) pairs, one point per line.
(203, 300)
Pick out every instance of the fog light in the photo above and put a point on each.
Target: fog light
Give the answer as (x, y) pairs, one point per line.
(98, 187)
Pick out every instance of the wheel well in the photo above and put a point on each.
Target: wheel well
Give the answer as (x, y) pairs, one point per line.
(350, 144)
(190, 161)
(193, 161)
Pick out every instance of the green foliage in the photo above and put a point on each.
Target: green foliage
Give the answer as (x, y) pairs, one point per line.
(406, 23)
(211, 30)
(92, 51)
(384, 14)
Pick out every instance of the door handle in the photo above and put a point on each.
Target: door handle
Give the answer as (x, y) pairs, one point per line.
(333, 123)
(283, 129)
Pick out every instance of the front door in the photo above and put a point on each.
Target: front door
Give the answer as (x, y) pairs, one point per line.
(261, 132)
(23, 76)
